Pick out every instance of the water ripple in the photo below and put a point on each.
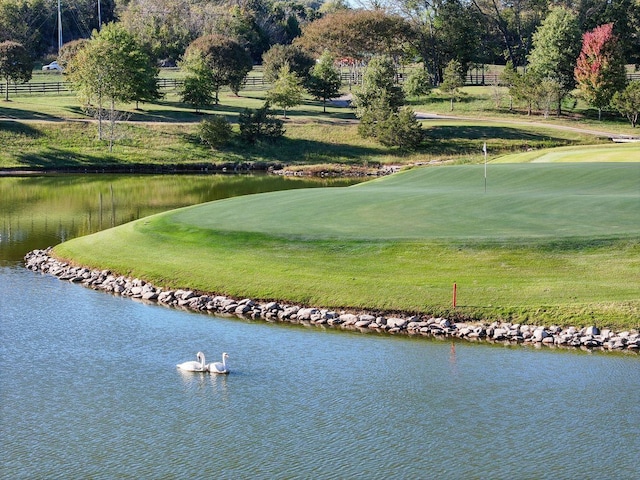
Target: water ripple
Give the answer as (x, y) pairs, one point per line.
(97, 395)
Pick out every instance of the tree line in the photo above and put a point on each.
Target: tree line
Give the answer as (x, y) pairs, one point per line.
(431, 31)
(301, 44)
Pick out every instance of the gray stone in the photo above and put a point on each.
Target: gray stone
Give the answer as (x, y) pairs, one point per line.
(593, 330)
(393, 323)
(348, 318)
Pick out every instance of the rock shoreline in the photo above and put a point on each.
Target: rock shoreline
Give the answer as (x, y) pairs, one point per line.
(590, 338)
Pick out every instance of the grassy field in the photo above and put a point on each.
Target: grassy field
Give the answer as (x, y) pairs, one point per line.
(52, 131)
(48, 135)
(547, 243)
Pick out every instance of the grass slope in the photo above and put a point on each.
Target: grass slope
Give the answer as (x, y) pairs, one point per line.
(554, 243)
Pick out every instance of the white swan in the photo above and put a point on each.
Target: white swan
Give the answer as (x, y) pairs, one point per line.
(219, 367)
(194, 366)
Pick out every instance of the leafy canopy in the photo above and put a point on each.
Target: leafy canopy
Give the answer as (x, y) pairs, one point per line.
(556, 45)
(287, 90)
(228, 60)
(324, 82)
(15, 64)
(627, 102)
(600, 70)
(113, 66)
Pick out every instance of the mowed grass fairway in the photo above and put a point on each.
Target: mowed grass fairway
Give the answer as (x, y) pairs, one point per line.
(551, 242)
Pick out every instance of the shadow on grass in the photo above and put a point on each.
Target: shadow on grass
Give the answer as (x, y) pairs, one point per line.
(55, 159)
(478, 132)
(18, 114)
(17, 128)
(452, 140)
(298, 151)
(441, 100)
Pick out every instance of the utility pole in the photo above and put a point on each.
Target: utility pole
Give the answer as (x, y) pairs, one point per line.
(59, 29)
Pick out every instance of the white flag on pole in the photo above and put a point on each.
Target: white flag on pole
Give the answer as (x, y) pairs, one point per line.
(484, 149)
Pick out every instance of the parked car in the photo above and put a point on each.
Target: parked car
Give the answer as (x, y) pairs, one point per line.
(52, 66)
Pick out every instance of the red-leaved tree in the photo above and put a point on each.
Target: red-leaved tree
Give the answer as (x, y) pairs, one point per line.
(600, 67)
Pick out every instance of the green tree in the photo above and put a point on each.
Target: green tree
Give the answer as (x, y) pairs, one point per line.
(332, 6)
(417, 84)
(522, 88)
(199, 84)
(228, 60)
(277, 56)
(442, 30)
(452, 80)
(111, 68)
(510, 25)
(627, 102)
(556, 45)
(546, 93)
(378, 110)
(69, 50)
(378, 104)
(600, 70)
(24, 21)
(324, 82)
(378, 81)
(164, 27)
(15, 64)
(287, 90)
(509, 78)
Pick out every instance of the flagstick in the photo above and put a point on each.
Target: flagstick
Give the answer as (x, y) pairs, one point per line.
(484, 149)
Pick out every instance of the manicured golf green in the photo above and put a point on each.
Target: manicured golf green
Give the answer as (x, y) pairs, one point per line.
(621, 152)
(546, 243)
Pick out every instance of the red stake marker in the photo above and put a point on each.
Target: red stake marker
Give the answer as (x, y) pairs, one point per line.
(455, 294)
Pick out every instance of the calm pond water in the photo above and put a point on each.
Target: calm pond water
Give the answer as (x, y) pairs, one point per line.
(89, 387)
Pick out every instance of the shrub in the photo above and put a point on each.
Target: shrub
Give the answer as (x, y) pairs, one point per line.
(417, 84)
(627, 102)
(215, 132)
(392, 129)
(260, 124)
(401, 130)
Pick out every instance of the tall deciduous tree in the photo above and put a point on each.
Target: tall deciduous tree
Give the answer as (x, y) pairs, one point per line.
(287, 90)
(324, 82)
(627, 102)
(442, 30)
(300, 62)
(625, 16)
(600, 69)
(111, 68)
(556, 45)
(199, 84)
(15, 64)
(228, 60)
(358, 34)
(513, 23)
(164, 27)
(69, 50)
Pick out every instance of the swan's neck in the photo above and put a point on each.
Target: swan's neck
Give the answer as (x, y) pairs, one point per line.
(202, 360)
(224, 362)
